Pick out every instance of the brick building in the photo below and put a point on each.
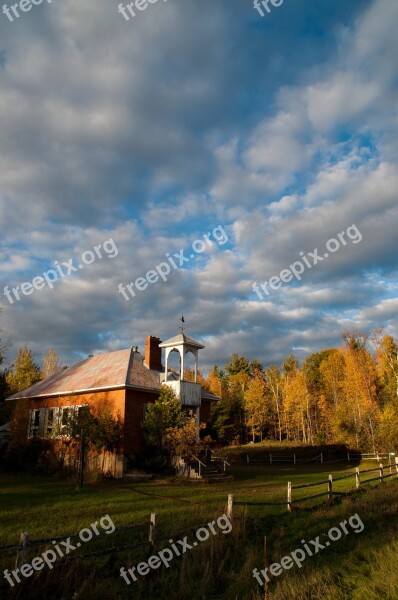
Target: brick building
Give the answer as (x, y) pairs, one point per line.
(124, 381)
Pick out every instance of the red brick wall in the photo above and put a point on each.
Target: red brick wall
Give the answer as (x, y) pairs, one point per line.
(133, 437)
(128, 403)
(114, 400)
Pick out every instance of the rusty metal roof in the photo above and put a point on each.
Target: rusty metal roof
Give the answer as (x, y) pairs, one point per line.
(119, 369)
(111, 370)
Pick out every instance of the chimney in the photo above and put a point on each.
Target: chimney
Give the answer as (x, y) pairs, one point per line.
(153, 354)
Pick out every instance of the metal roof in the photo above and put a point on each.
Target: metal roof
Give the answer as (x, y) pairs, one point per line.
(112, 370)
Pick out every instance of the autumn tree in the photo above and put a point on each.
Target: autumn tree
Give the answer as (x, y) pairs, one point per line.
(25, 371)
(213, 380)
(387, 366)
(255, 405)
(360, 412)
(274, 389)
(318, 406)
(51, 364)
(297, 405)
(183, 440)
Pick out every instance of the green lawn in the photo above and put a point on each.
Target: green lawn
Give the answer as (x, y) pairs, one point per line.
(222, 567)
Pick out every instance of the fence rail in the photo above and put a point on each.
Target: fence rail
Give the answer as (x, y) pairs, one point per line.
(153, 538)
(295, 460)
(329, 482)
(329, 492)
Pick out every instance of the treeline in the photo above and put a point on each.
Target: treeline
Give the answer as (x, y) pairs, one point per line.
(339, 395)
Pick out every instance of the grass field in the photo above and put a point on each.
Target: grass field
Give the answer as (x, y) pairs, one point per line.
(354, 567)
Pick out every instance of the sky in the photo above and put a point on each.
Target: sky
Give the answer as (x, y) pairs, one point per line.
(271, 135)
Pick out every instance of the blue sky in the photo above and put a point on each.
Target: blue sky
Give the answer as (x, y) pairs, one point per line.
(152, 132)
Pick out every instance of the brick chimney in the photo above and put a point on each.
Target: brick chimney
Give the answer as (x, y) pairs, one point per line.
(153, 354)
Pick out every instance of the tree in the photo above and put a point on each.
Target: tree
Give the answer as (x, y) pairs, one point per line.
(164, 413)
(387, 366)
(315, 387)
(227, 416)
(297, 404)
(238, 364)
(51, 364)
(5, 407)
(25, 372)
(255, 368)
(274, 387)
(102, 429)
(182, 441)
(290, 366)
(214, 380)
(255, 405)
(357, 417)
(388, 428)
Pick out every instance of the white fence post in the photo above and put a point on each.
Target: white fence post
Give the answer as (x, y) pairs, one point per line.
(396, 464)
(230, 506)
(289, 496)
(357, 480)
(22, 551)
(152, 529)
(381, 469)
(330, 487)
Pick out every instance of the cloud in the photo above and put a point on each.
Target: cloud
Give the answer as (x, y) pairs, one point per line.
(154, 131)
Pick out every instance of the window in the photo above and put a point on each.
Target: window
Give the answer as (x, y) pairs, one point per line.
(66, 415)
(50, 422)
(34, 423)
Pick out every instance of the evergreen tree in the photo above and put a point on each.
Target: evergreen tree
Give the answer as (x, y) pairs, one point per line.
(25, 371)
(161, 415)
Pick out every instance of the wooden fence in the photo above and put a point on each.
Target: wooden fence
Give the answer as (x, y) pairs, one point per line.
(329, 492)
(275, 458)
(329, 483)
(153, 538)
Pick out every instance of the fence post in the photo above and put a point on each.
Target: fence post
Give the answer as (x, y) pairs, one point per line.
(321, 458)
(396, 464)
(348, 456)
(357, 480)
(294, 458)
(289, 496)
(330, 487)
(378, 457)
(270, 459)
(389, 462)
(22, 551)
(152, 530)
(230, 506)
(381, 469)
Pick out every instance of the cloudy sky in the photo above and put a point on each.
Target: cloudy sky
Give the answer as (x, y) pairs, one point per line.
(280, 131)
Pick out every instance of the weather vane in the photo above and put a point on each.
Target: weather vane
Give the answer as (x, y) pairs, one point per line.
(182, 323)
